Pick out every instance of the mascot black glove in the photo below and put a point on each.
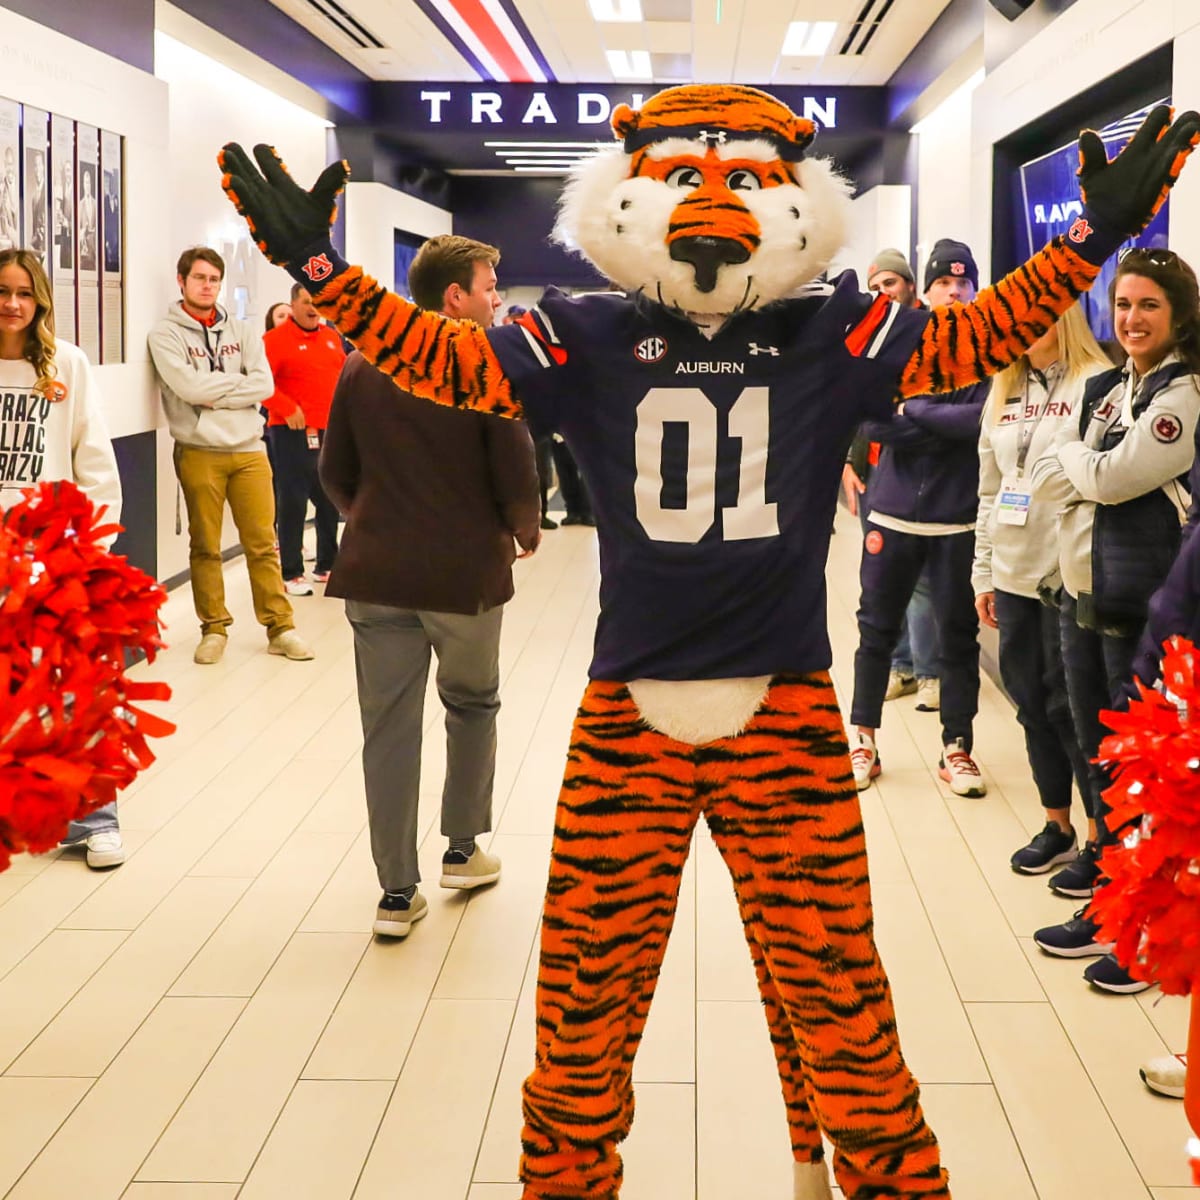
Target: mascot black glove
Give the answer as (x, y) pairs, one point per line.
(290, 225)
(1121, 197)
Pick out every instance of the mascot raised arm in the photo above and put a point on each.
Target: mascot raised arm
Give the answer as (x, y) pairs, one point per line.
(710, 409)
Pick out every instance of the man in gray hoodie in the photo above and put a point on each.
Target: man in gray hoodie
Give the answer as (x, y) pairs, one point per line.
(213, 373)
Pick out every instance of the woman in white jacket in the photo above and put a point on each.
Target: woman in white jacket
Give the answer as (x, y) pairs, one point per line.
(1016, 568)
(52, 427)
(1117, 475)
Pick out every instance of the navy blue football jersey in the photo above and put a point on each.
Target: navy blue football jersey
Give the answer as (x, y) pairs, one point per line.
(713, 464)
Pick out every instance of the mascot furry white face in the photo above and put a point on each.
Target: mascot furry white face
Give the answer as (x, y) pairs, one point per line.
(708, 205)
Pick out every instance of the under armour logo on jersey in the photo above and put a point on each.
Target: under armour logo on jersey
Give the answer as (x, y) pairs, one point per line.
(318, 267)
(713, 137)
(1080, 231)
(755, 348)
(650, 350)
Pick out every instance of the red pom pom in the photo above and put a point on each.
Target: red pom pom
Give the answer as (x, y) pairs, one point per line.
(1151, 906)
(70, 736)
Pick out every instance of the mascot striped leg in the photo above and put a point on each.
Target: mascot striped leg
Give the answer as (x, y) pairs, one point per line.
(781, 804)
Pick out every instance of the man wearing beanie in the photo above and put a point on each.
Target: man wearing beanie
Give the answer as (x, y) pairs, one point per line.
(914, 661)
(924, 496)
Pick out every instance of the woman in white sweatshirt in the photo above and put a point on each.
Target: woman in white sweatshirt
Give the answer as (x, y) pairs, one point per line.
(1016, 568)
(52, 427)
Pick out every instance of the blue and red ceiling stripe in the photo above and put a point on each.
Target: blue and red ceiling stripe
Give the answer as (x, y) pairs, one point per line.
(492, 36)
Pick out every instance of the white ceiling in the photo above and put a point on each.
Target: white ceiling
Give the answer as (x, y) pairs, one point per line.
(684, 37)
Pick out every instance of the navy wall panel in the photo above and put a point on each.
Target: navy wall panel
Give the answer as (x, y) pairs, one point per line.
(122, 28)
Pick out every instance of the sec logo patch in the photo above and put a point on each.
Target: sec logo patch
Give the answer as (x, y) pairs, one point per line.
(1167, 428)
(873, 542)
(650, 350)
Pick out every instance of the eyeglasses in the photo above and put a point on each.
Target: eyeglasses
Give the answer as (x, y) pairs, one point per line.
(1156, 256)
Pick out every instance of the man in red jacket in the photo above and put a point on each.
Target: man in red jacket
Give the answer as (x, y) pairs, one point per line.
(306, 358)
(433, 499)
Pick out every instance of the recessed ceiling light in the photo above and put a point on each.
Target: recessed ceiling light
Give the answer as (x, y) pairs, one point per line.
(808, 39)
(616, 10)
(629, 64)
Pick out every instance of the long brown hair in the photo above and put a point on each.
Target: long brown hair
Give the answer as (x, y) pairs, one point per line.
(39, 337)
(1178, 281)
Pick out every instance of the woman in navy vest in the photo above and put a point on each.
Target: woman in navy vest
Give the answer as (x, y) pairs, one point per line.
(1119, 478)
(1016, 573)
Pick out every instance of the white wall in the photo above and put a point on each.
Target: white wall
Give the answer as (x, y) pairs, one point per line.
(208, 105)
(373, 212)
(1090, 41)
(47, 70)
(881, 217)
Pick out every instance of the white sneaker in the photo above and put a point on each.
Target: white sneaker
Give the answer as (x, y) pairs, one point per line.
(959, 770)
(929, 694)
(291, 645)
(210, 649)
(105, 849)
(298, 586)
(864, 758)
(899, 685)
(1166, 1076)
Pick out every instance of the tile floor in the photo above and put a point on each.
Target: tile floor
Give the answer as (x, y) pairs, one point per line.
(214, 1020)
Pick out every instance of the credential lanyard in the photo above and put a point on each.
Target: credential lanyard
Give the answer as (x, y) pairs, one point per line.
(1025, 440)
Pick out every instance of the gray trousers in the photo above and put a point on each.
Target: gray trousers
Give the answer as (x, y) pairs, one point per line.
(391, 657)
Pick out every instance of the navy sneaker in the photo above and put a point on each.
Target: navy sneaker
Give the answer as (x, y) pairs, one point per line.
(1046, 850)
(1080, 878)
(1076, 938)
(1109, 976)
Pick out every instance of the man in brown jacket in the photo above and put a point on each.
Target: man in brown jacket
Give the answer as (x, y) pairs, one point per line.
(433, 500)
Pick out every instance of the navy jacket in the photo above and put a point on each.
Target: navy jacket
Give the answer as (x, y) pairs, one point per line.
(929, 468)
(1174, 609)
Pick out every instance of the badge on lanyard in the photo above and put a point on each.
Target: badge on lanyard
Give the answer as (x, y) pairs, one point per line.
(314, 438)
(1012, 505)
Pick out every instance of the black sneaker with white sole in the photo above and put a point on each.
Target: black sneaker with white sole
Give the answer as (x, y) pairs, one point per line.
(1047, 849)
(1076, 938)
(1079, 879)
(1108, 975)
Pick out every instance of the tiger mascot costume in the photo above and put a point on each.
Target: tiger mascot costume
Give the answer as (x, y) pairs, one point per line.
(710, 408)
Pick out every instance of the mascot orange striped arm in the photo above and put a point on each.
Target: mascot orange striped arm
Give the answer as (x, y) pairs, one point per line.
(710, 408)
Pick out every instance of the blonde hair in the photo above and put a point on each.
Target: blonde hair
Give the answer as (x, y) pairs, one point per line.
(1078, 351)
(39, 337)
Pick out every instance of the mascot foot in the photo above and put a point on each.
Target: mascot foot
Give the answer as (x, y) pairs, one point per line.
(812, 1181)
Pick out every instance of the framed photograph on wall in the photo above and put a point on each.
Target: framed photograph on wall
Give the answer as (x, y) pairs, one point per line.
(87, 221)
(63, 232)
(35, 181)
(10, 174)
(112, 294)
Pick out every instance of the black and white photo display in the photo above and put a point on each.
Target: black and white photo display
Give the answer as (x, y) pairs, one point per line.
(87, 223)
(10, 175)
(112, 322)
(35, 183)
(63, 233)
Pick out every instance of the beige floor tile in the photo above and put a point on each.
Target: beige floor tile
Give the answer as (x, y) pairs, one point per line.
(978, 1146)
(1170, 1015)
(1113, 1036)
(118, 1121)
(668, 1050)
(318, 1145)
(180, 1191)
(734, 1059)
(269, 820)
(938, 1042)
(342, 806)
(500, 1147)
(10, 884)
(85, 1037)
(347, 901)
(660, 1153)
(34, 991)
(488, 956)
(42, 905)
(239, 954)
(30, 1111)
(219, 1130)
(440, 1103)
(1052, 1106)
(495, 1191)
(1187, 1193)
(724, 971)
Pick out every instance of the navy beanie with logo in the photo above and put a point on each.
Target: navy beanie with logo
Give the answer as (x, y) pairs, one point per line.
(951, 258)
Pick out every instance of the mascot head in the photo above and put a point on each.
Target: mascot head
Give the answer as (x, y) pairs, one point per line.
(709, 204)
